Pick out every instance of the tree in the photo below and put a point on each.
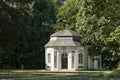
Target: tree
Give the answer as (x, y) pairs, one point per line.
(66, 15)
(96, 20)
(43, 16)
(114, 42)
(25, 27)
(14, 20)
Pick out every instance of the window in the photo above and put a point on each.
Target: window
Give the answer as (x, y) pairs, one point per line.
(73, 52)
(62, 1)
(49, 58)
(80, 58)
(99, 62)
(73, 61)
(55, 59)
(64, 60)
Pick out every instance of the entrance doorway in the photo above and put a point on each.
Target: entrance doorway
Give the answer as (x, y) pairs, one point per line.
(64, 61)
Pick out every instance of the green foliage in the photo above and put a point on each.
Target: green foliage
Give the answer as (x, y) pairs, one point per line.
(96, 20)
(115, 73)
(66, 15)
(43, 16)
(90, 25)
(114, 42)
(116, 35)
(14, 20)
(25, 27)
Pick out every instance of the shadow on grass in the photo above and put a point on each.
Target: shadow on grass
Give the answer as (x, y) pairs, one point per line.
(47, 75)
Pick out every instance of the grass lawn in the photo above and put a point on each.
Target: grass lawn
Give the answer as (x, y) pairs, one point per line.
(61, 75)
(75, 79)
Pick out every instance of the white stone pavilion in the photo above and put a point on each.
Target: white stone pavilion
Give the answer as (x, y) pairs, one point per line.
(64, 52)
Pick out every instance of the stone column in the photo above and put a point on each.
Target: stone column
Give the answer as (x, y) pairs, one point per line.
(69, 60)
(52, 60)
(89, 66)
(59, 60)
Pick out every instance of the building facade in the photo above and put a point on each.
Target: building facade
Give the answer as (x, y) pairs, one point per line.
(64, 52)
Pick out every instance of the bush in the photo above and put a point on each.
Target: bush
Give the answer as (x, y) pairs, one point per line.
(116, 72)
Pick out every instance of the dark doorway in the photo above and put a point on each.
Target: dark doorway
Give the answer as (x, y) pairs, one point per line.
(64, 61)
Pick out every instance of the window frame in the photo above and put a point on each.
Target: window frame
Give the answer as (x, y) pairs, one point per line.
(49, 57)
(80, 58)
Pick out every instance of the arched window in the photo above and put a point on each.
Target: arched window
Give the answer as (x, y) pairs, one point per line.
(72, 60)
(55, 59)
(73, 52)
(80, 58)
(49, 58)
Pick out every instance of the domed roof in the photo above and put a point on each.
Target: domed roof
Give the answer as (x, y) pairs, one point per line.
(64, 38)
(65, 33)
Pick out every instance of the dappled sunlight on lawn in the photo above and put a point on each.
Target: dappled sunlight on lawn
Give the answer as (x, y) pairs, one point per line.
(47, 75)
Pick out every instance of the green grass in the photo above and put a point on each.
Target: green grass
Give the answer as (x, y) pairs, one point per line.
(59, 75)
(74, 79)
